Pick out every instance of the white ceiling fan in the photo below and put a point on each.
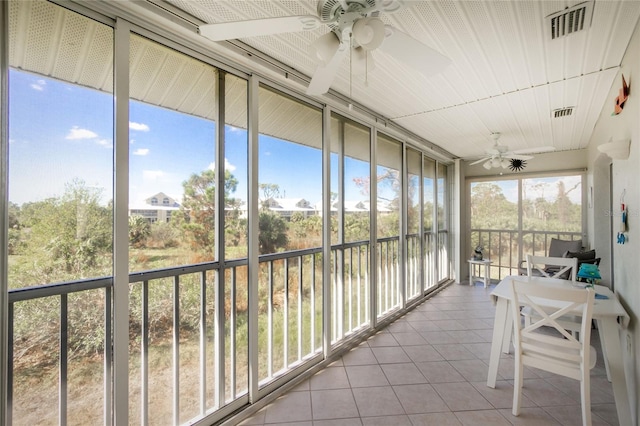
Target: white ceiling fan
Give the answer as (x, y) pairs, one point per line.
(500, 156)
(356, 30)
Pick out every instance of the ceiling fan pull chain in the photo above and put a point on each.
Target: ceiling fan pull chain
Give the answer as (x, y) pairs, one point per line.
(366, 69)
(350, 66)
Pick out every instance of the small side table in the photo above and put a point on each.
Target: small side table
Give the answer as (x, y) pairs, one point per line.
(479, 263)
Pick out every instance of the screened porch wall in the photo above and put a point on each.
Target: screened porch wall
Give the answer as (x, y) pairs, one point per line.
(239, 291)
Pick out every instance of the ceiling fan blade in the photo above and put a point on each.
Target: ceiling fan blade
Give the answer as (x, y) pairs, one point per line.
(538, 150)
(259, 27)
(514, 156)
(324, 75)
(480, 161)
(412, 52)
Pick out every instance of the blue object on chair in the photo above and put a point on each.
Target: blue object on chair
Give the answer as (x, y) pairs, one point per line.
(589, 272)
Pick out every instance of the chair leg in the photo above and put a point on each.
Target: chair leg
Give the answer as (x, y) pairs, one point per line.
(585, 397)
(517, 385)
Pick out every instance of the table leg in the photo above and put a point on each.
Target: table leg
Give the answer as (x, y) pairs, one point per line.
(508, 331)
(486, 275)
(471, 273)
(608, 327)
(496, 341)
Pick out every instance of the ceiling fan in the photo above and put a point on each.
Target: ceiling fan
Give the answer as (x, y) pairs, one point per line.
(356, 30)
(500, 156)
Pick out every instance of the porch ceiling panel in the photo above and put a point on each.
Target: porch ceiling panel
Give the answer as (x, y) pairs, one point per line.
(499, 49)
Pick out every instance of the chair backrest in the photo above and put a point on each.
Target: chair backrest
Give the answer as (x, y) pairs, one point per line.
(557, 248)
(561, 354)
(553, 267)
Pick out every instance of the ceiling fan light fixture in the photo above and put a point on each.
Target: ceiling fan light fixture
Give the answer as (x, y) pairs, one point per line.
(504, 163)
(495, 162)
(487, 165)
(369, 32)
(325, 47)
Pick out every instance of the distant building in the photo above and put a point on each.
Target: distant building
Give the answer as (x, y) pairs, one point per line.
(288, 206)
(157, 208)
(355, 207)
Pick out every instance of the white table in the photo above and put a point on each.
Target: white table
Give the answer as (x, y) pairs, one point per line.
(609, 315)
(479, 263)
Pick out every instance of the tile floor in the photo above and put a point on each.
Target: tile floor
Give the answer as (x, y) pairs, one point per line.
(430, 368)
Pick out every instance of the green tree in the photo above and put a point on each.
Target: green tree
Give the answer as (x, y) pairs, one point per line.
(67, 237)
(139, 229)
(198, 207)
(273, 232)
(490, 209)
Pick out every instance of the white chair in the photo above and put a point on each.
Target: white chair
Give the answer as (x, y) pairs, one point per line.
(553, 267)
(564, 354)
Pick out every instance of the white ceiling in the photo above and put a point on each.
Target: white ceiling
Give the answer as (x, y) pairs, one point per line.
(507, 75)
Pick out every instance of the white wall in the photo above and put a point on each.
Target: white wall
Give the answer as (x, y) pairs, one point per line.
(625, 176)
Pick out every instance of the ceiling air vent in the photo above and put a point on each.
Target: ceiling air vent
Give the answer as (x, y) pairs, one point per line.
(562, 112)
(570, 20)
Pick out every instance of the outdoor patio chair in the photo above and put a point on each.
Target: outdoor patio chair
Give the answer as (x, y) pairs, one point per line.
(561, 354)
(557, 248)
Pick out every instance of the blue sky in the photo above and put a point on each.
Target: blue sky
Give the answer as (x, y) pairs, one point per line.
(60, 131)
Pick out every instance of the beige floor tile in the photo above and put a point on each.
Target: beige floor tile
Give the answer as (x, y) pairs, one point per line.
(438, 337)
(362, 355)
(403, 374)
(435, 419)
(482, 418)
(416, 399)
(356, 421)
(329, 378)
(366, 376)
(294, 406)
(452, 352)
(461, 396)
(390, 355)
(382, 339)
(473, 370)
(423, 353)
(532, 416)
(502, 395)
(439, 372)
(545, 394)
(377, 401)
(412, 338)
(386, 421)
(333, 404)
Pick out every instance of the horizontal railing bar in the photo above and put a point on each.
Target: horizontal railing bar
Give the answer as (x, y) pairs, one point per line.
(289, 254)
(350, 245)
(48, 290)
(155, 274)
(388, 239)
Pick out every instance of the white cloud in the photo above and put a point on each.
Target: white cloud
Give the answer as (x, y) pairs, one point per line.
(39, 85)
(140, 127)
(234, 129)
(152, 174)
(141, 151)
(78, 133)
(105, 142)
(227, 166)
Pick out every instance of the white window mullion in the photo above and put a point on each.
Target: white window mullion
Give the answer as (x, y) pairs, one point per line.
(4, 161)
(253, 254)
(121, 225)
